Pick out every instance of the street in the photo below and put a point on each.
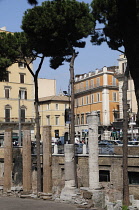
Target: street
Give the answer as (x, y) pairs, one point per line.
(11, 203)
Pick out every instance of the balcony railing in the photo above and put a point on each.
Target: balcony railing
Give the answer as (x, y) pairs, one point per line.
(91, 87)
(16, 120)
(83, 149)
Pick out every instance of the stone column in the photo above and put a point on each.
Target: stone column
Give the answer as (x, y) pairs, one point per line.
(69, 166)
(8, 159)
(93, 151)
(70, 184)
(55, 149)
(27, 172)
(47, 160)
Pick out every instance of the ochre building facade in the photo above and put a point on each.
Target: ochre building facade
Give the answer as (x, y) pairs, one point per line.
(96, 91)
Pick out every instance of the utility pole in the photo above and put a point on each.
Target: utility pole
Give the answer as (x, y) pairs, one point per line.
(69, 95)
(69, 149)
(125, 140)
(19, 116)
(72, 97)
(68, 112)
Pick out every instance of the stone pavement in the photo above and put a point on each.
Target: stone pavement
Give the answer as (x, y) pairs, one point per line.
(12, 203)
(15, 203)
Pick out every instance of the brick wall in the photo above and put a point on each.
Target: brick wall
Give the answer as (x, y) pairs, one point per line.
(112, 163)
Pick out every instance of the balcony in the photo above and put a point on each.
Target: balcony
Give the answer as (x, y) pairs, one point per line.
(94, 87)
(16, 120)
(119, 76)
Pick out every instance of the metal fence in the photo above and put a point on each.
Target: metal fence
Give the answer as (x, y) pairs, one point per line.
(107, 150)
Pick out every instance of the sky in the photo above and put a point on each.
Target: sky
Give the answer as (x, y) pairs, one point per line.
(89, 58)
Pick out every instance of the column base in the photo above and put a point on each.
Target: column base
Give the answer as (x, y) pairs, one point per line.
(68, 192)
(98, 196)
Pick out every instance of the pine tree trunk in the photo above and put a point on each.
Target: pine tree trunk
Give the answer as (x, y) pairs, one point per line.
(37, 122)
(125, 140)
(37, 119)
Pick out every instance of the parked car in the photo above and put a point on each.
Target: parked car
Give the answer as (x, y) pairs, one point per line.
(119, 142)
(106, 147)
(103, 143)
(108, 142)
(133, 143)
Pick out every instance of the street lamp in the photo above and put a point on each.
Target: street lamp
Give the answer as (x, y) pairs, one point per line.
(68, 112)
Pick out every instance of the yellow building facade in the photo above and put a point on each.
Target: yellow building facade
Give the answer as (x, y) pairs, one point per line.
(96, 91)
(16, 98)
(52, 112)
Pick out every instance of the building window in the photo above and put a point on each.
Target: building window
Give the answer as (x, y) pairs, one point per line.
(81, 85)
(56, 120)
(113, 81)
(21, 65)
(82, 101)
(48, 106)
(7, 114)
(23, 94)
(57, 107)
(104, 176)
(116, 115)
(7, 92)
(124, 67)
(98, 82)
(114, 96)
(48, 120)
(133, 178)
(22, 115)
(87, 84)
(22, 78)
(82, 119)
(86, 117)
(92, 97)
(92, 83)
(87, 102)
(78, 119)
(98, 97)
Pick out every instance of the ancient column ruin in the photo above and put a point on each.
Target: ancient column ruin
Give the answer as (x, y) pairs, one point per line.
(93, 150)
(47, 160)
(27, 186)
(8, 159)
